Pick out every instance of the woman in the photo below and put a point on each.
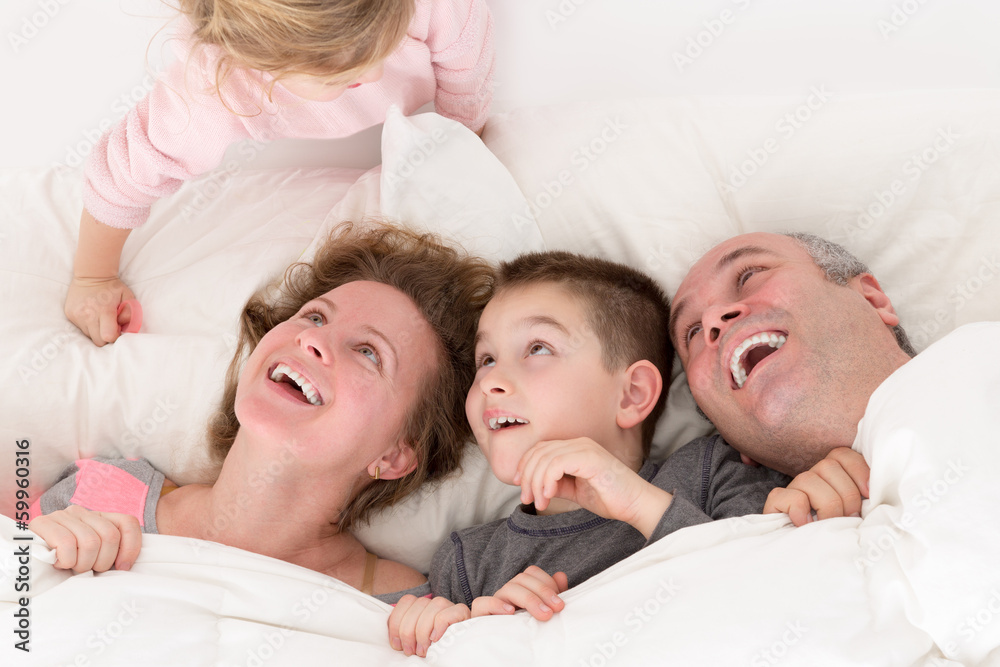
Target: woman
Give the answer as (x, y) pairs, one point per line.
(351, 397)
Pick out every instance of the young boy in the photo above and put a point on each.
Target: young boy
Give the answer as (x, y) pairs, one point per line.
(571, 357)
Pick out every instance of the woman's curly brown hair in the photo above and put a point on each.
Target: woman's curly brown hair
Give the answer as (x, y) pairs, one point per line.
(449, 287)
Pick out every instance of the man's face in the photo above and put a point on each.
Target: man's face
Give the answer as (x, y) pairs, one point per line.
(782, 360)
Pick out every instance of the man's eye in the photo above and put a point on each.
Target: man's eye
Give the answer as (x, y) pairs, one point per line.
(692, 331)
(746, 273)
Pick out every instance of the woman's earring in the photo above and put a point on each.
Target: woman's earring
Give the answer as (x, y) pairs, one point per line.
(375, 476)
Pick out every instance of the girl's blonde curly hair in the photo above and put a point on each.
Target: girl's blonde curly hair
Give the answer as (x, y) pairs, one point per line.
(283, 37)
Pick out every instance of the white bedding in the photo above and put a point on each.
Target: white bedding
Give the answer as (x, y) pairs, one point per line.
(639, 181)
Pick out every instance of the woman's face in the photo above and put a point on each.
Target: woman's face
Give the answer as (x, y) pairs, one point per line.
(335, 382)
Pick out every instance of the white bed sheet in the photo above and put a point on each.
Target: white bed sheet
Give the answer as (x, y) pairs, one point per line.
(653, 195)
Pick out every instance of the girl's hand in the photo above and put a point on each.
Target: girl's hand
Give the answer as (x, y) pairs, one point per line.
(833, 487)
(533, 590)
(416, 623)
(85, 540)
(92, 305)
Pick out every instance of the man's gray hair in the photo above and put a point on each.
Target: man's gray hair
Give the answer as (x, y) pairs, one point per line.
(839, 266)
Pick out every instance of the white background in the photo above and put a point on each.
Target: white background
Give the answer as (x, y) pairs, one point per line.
(71, 67)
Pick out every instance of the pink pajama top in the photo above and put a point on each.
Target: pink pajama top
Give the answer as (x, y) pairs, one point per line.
(182, 128)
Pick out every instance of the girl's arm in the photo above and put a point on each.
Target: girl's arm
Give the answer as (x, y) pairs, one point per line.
(460, 39)
(96, 291)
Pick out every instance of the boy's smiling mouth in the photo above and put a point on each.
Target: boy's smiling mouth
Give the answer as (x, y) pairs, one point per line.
(751, 352)
(497, 423)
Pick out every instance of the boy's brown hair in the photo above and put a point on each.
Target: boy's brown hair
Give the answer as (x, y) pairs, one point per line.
(628, 310)
(450, 289)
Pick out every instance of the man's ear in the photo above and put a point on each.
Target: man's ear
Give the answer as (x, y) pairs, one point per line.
(873, 294)
(641, 388)
(398, 462)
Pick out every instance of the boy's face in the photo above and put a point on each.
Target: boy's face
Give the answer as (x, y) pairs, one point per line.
(539, 376)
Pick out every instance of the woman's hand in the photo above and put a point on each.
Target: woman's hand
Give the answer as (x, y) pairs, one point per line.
(86, 540)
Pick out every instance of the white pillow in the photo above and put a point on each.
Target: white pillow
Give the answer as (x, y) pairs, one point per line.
(656, 182)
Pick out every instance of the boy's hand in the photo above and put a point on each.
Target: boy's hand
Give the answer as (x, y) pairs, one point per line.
(92, 305)
(85, 540)
(833, 487)
(416, 623)
(582, 471)
(533, 590)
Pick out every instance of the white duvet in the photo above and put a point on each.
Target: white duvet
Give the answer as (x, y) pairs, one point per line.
(915, 582)
(912, 582)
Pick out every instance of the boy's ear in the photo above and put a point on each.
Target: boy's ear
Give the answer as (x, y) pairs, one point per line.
(398, 462)
(640, 391)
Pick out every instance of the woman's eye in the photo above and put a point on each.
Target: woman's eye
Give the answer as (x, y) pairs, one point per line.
(691, 332)
(315, 318)
(369, 352)
(538, 348)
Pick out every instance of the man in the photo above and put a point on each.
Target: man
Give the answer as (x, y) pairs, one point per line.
(784, 338)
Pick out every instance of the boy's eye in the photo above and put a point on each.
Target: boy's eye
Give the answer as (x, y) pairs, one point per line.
(538, 348)
(369, 352)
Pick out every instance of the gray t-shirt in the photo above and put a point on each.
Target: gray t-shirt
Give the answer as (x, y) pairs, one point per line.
(706, 477)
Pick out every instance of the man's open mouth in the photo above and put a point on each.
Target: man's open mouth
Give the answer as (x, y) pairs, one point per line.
(750, 352)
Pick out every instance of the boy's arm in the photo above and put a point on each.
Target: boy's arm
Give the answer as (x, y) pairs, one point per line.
(833, 487)
(533, 590)
(583, 472)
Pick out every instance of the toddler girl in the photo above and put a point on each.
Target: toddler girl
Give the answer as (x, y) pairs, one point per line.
(264, 70)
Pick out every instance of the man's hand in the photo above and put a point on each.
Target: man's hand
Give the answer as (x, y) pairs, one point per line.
(833, 487)
(416, 623)
(533, 590)
(85, 540)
